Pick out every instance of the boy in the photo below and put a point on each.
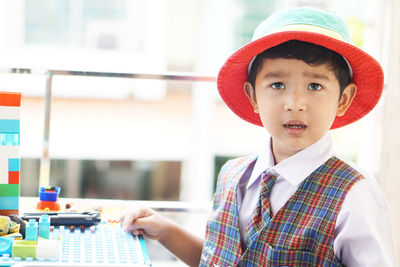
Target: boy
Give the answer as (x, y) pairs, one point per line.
(296, 203)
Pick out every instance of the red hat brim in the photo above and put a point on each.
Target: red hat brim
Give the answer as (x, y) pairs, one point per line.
(367, 75)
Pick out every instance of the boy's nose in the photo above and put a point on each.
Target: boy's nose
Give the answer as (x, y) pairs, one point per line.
(295, 101)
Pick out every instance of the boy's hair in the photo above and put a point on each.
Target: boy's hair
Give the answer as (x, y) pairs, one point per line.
(311, 54)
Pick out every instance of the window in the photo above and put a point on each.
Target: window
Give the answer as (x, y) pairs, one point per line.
(106, 179)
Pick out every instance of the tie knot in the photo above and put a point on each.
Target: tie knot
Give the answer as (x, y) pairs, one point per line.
(267, 182)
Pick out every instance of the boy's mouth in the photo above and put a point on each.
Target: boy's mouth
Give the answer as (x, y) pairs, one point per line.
(295, 127)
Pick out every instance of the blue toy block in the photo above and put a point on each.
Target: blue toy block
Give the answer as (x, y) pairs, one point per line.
(49, 193)
(9, 139)
(86, 248)
(12, 139)
(9, 126)
(6, 245)
(9, 203)
(44, 226)
(13, 165)
(31, 231)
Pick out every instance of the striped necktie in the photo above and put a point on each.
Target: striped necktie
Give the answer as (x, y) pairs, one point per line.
(262, 213)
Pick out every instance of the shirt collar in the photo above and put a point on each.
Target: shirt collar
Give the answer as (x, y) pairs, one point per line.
(296, 168)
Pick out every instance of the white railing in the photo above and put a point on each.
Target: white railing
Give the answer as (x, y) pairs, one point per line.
(44, 176)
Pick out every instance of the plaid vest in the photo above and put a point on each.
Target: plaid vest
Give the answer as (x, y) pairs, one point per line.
(301, 233)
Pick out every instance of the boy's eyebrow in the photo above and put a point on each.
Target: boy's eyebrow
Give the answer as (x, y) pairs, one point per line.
(273, 74)
(316, 75)
(280, 74)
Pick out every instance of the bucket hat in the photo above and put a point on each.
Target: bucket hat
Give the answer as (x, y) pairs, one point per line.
(309, 25)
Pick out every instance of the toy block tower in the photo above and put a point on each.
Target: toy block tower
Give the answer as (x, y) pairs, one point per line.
(10, 104)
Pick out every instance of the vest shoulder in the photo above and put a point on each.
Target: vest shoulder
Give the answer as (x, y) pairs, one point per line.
(235, 166)
(342, 169)
(369, 183)
(232, 171)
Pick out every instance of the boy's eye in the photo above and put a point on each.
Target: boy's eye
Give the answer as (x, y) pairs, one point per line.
(314, 86)
(278, 86)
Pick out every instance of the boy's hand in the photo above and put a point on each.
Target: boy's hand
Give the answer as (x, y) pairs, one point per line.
(149, 223)
(144, 221)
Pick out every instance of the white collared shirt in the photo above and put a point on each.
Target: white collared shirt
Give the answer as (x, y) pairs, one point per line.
(362, 233)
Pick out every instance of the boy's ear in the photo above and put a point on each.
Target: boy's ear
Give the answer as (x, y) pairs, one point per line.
(251, 95)
(347, 97)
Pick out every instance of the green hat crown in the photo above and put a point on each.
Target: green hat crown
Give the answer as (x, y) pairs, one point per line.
(302, 16)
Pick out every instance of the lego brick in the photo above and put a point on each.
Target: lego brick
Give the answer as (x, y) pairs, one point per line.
(44, 226)
(14, 164)
(9, 126)
(9, 139)
(10, 99)
(12, 139)
(9, 203)
(9, 212)
(6, 245)
(97, 248)
(6, 153)
(48, 249)
(3, 167)
(14, 236)
(87, 248)
(49, 193)
(10, 151)
(31, 230)
(48, 206)
(11, 113)
(13, 177)
(24, 249)
(9, 190)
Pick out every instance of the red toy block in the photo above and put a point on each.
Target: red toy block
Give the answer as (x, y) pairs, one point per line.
(9, 212)
(13, 177)
(48, 206)
(10, 99)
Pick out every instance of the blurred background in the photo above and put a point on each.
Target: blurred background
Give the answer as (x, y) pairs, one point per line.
(165, 140)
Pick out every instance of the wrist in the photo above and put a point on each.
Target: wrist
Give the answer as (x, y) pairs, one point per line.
(167, 231)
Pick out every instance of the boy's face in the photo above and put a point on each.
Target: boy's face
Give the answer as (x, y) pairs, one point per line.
(297, 103)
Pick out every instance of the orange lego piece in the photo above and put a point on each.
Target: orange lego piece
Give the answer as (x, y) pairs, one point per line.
(8, 212)
(48, 206)
(13, 177)
(10, 99)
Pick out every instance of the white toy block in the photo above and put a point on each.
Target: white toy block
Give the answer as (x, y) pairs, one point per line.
(4, 156)
(12, 151)
(6, 152)
(48, 249)
(9, 113)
